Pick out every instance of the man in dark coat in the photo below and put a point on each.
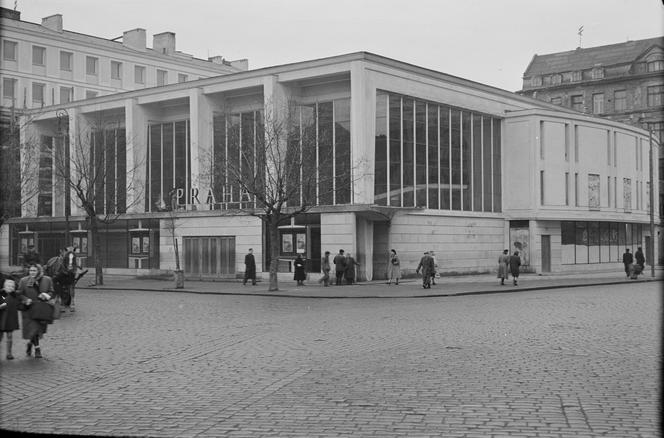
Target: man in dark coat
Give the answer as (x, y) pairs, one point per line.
(300, 273)
(340, 265)
(640, 262)
(250, 268)
(515, 262)
(628, 259)
(428, 270)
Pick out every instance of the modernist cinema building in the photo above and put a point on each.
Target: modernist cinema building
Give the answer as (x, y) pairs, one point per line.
(437, 163)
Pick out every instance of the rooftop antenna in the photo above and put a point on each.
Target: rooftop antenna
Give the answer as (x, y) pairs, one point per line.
(15, 4)
(580, 35)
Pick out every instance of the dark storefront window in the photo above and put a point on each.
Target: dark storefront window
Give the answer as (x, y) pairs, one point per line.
(168, 164)
(598, 242)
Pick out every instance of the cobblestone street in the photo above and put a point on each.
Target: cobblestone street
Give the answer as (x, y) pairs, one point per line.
(547, 363)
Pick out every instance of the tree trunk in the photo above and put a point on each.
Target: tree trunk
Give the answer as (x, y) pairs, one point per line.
(273, 230)
(94, 234)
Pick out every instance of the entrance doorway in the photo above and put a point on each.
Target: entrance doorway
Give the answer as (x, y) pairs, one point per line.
(546, 253)
(209, 256)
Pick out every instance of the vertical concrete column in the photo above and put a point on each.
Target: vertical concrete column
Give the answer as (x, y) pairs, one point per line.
(362, 128)
(136, 131)
(200, 116)
(364, 252)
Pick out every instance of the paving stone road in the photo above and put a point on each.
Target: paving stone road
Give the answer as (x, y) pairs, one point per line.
(548, 363)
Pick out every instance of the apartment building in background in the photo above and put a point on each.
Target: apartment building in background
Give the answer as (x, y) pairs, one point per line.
(622, 82)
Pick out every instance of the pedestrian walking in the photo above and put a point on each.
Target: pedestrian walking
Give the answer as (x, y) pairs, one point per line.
(325, 269)
(351, 263)
(8, 313)
(640, 264)
(515, 262)
(503, 266)
(427, 266)
(35, 292)
(249, 268)
(393, 268)
(435, 267)
(300, 275)
(628, 261)
(340, 267)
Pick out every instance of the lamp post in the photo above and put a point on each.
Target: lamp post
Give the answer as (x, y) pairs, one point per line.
(652, 205)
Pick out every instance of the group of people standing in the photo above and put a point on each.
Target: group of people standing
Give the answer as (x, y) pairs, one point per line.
(344, 268)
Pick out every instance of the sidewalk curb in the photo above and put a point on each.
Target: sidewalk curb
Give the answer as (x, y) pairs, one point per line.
(510, 289)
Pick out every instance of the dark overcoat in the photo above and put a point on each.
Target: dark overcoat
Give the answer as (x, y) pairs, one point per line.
(31, 288)
(300, 275)
(515, 262)
(9, 315)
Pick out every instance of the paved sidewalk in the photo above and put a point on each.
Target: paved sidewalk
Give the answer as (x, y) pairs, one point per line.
(408, 288)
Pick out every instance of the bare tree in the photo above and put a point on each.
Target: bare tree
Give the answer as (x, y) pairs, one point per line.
(279, 178)
(92, 164)
(18, 184)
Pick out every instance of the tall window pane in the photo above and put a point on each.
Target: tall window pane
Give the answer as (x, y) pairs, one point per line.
(407, 127)
(342, 151)
(466, 160)
(477, 162)
(456, 159)
(395, 151)
(325, 153)
(380, 171)
(420, 154)
(488, 163)
(497, 167)
(433, 159)
(445, 162)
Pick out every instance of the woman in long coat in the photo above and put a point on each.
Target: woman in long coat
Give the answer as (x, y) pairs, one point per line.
(8, 313)
(503, 266)
(300, 275)
(35, 287)
(350, 269)
(393, 268)
(515, 262)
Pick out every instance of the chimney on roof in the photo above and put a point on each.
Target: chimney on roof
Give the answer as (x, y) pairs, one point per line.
(164, 42)
(241, 64)
(53, 22)
(216, 59)
(134, 39)
(10, 13)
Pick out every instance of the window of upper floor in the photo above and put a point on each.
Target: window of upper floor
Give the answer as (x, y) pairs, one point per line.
(182, 77)
(577, 76)
(656, 65)
(655, 95)
(598, 103)
(162, 77)
(9, 88)
(38, 93)
(91, 65)
(9, 50)
(597, 73)
(619, 100)
(557, 100)
(139, 74)
(536, 81)
(556, 79)
(66, 61)
(577, 102)
(38, 55)
(116, 70)
(66, 94)
(89, 94)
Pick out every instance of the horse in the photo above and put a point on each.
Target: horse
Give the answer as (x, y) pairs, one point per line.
(62, 269)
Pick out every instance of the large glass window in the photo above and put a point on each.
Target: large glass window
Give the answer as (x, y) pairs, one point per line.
(168, 165)
(435, 156)
(619, 100)
(108, 169)
(598, 242)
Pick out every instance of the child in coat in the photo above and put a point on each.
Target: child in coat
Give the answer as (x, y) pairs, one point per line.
(8, 313)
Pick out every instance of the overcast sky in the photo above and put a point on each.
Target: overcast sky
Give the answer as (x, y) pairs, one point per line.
(488, 41)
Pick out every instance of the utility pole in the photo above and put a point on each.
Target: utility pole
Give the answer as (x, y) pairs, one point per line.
(653, 241)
